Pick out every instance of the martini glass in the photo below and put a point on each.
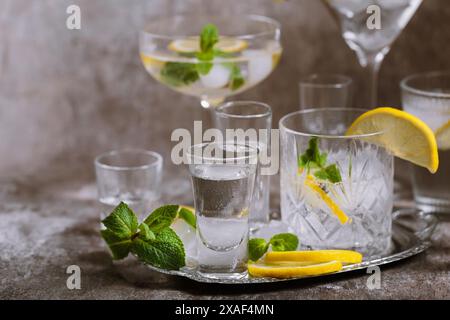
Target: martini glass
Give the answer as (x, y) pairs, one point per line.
(249, 48)
(372, 45)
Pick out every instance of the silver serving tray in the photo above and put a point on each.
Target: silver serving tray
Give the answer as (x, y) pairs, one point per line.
(411, 232)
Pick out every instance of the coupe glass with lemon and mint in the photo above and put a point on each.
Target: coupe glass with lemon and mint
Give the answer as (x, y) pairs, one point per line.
(211, 57)
(337, 174)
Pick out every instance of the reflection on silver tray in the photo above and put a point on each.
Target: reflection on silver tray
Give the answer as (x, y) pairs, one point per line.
(411, 232)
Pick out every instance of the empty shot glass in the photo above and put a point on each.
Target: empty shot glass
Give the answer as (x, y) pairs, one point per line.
(132, 176)
(256, 116)
(325, 91)
(223, 176)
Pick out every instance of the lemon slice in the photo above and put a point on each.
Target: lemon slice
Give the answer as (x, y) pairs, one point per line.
(261, 270)
(276, 56)
(192, 44)
(443, 136)
(311, 183)
(318, 256)
(403, 134)
(150, 62)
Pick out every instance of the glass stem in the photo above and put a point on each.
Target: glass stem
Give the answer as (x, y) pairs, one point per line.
(371, 64)
(208, 111)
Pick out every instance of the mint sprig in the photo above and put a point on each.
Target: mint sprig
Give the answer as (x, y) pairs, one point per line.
(152, 241)
(208, 38)
(257, 247)
(177, 74)
(315, 161)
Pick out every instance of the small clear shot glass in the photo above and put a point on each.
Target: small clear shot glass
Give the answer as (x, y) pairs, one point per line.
(256, 116)
(130, 175)
(325, 91)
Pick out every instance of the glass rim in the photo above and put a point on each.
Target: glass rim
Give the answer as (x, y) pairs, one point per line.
(249, 36)
(405, 86)
(219, 111)
(251, 154)
(157, 159)
(325, 136)
(306, 81)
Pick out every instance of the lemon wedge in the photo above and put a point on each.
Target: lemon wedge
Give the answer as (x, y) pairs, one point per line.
(443, 136)
(311, 183)
(283, 272)
(318, 256)
(403, 134)
(192, 44)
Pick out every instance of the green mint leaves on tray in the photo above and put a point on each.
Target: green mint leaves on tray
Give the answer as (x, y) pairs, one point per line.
(177, 74)
(316, 161)
(152, 241)
(257, 247)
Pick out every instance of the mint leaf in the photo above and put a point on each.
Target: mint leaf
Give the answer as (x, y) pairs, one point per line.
(119, 247)
(284, 242)
(166, 251)
(179, 73)
(330, 173)
(203, 68)
(161, 218)
(205, 56)
(188, 216)
(145, 232)
(312, 157)
(237, 80)
(257, 247)
(208, 37)
(322, 161)
(314, 160)
(122, 222)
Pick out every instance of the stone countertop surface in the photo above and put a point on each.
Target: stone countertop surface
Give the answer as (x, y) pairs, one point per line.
(45, 230)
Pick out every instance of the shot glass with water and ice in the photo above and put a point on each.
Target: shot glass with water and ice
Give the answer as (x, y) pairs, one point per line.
(336, 190)
(223, 176)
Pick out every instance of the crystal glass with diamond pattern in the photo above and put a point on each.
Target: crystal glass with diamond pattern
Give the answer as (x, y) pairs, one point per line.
(336, 190)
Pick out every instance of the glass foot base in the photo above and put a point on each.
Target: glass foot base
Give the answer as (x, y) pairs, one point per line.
(222, 275)
(428, 204)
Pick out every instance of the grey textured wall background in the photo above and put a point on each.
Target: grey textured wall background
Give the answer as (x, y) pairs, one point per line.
(66, 96)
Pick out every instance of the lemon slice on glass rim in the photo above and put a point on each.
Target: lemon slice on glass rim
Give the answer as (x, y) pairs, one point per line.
(403, 134)
(192, 44)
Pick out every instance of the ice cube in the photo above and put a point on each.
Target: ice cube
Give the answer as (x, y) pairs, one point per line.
(217, 77)
(187, 236)
(259, 64)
